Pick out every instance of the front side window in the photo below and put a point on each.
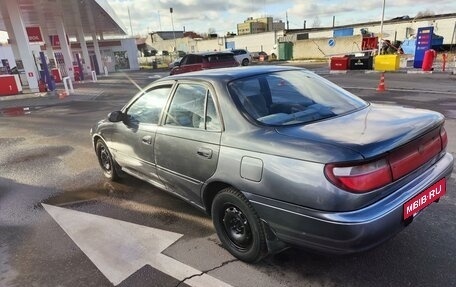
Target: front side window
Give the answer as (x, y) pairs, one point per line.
(147, 108)
(292, 97)
(185, 60)
(192, 106)
(192, 59)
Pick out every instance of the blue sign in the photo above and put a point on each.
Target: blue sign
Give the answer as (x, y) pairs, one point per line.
(423, 43)
(331, 42)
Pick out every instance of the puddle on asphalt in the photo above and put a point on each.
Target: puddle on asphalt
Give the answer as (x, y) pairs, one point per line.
(15, 111)
(138, 202)
(18, 111)
(92, 194)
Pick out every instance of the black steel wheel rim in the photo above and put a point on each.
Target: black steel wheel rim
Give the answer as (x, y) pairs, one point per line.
(237, 227)
(105, 159)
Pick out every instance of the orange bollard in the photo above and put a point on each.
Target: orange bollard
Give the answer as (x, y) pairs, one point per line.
(381, 85)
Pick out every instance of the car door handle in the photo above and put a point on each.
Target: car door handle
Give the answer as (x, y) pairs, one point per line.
(147, 140)
(204, 152)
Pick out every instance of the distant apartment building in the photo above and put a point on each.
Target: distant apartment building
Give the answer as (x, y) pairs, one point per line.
(259, 25)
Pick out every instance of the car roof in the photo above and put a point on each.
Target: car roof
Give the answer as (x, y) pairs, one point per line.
(231, 73)
(210, 53)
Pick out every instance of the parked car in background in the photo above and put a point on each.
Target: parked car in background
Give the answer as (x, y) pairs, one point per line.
(280, 156)
(242, 56)
(175, 63)
(162, 53)
(180, 54)
(256, 56)
(202, 61)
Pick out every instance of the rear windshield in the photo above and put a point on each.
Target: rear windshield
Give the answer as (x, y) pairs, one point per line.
(292, 97)
(227, 57)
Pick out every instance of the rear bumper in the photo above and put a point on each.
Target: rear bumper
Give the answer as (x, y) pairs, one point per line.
(347, 232)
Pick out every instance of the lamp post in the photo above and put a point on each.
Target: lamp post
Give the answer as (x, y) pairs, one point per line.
(129, 17)
(380, 40)
(174, 34)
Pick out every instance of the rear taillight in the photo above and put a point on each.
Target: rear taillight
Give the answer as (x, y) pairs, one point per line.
(360, 178)
(443, 137)
(367, 176)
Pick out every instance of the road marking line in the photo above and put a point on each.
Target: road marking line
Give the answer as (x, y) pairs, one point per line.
(119, 248)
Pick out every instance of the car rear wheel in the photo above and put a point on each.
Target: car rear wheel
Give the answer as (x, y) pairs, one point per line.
(111, 169)
(238, 226)
(245, 62)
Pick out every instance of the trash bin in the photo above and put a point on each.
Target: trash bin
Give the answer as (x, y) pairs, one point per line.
(387, 62)
(360, 62)
(154, 65)
(339, 63)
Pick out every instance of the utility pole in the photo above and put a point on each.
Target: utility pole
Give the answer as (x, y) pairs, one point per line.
(159, 21)
(174, 34)
(380, 39)
(288, 23)
(129, 17)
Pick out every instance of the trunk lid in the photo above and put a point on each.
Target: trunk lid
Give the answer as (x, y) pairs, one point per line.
(372, 131)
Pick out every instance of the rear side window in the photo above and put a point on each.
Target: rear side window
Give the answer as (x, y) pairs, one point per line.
(192, 106)
(217, 58)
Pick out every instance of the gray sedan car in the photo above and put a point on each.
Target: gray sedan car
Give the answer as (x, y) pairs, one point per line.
(279, 156)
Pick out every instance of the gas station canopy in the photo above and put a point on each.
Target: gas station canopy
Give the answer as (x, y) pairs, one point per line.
(94, 16)
(36, 27)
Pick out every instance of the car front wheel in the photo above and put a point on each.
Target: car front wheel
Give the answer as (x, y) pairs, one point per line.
(107, 163)
(238, 226)
(245, 62)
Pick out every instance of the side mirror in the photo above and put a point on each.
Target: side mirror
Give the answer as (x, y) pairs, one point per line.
(116, 116)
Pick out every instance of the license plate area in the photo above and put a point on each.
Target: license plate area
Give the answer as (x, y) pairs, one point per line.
(424, 199)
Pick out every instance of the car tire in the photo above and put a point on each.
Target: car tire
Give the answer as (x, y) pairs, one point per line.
(245, 62)
(238, 226)
(111, 169)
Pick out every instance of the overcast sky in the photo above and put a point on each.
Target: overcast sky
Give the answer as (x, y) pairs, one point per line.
(223, 15)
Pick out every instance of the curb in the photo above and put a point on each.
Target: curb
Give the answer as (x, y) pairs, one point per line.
(24, 96)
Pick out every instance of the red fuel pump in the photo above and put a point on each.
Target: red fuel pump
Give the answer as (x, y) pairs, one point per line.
(428, 59)
(42, 86)
(77, 78)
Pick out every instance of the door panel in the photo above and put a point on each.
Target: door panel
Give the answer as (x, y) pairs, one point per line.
(134, 140)
(187, 145)
(180, 163)
(133, 153)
